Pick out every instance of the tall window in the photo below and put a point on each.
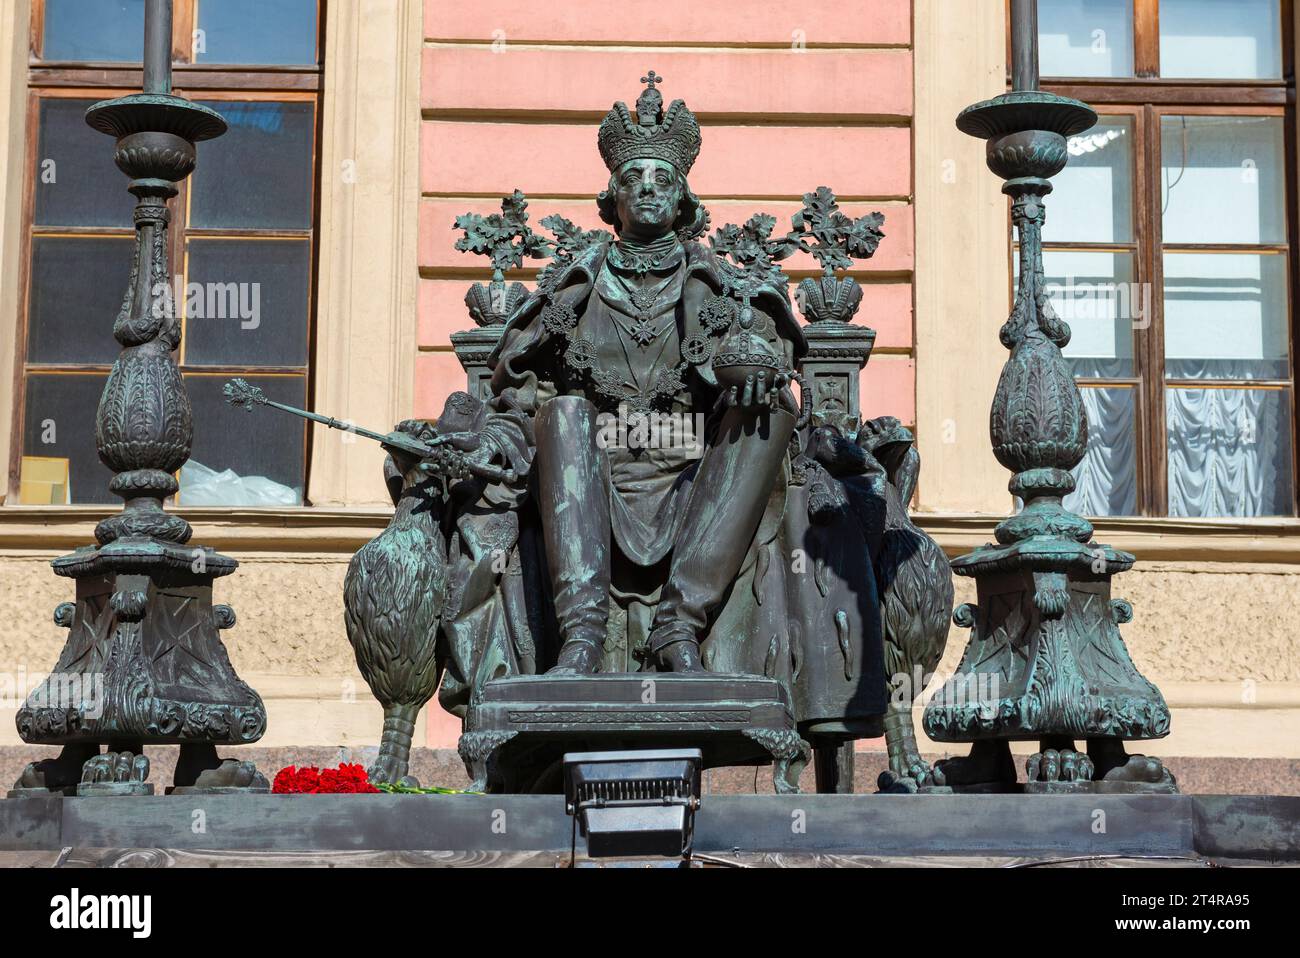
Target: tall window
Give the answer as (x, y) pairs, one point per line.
(242, 243)
(1169, 249)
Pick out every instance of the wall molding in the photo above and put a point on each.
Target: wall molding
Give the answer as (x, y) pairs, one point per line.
(339, 529)
(1264, 540)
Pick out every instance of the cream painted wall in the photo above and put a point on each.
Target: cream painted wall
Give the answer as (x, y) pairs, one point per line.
(364, 367)
(1233, 693)
(13, 119)
(961, 259)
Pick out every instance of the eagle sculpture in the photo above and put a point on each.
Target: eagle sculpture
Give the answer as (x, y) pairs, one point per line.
(393, 599)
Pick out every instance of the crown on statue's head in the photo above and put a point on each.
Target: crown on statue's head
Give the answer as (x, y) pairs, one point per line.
(672, 136)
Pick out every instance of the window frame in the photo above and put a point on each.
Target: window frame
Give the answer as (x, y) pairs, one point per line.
(211, 82)
(1146, 97)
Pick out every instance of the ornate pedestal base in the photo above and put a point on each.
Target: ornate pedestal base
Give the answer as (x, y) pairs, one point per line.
(1046, 663)
(144, 664)
(517, 733)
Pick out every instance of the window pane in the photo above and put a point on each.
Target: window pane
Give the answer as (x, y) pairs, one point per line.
(1085, 38)
(1096, 295)
(77, 287)
(281, 32)
(262, 447)
(259, 174)
(246, 303)
(1229, 452)
(77, 182)
(94, 30)
(1225, 316)
(1222, 179)
(1240, 40)
(1092, 198)
(59, 425)
(1106, 479)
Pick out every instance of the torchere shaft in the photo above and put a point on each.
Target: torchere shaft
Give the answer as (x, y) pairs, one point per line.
(158, 46)
(1024, 44)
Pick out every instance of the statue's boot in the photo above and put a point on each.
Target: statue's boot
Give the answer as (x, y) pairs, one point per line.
(727, 501)
(573, 495)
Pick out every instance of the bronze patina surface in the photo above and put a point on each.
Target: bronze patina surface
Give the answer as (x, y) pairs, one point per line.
(663, 504)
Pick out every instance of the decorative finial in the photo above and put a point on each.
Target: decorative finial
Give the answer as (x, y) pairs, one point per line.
(505, 237)
(240, 392)
(650, 104)
(835, 240)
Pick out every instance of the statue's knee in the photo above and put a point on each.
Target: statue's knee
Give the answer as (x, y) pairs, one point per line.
(571, 414)
(570, 406)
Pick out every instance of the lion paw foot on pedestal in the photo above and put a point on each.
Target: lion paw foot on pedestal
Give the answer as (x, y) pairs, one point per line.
(1058, 770)
(891, 783)
(115, 773)
(1141, 773)
(790, 756)
(915, 775)
(54, 776)
(786, 772)
(232, 775)
(988, 768)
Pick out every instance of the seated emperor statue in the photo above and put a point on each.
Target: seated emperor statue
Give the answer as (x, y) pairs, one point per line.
(633, 327)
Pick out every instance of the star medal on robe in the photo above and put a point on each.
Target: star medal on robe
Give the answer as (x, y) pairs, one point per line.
(642, 332)
(645, 302)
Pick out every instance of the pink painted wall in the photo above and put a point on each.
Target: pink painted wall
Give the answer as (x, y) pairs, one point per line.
(790, 97)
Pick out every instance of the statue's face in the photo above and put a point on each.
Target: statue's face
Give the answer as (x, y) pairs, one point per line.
(648, 195)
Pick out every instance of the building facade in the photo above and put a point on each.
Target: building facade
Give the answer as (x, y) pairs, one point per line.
(324, 270)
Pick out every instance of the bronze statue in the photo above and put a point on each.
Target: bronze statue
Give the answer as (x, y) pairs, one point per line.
(629, 489)
(634, 324)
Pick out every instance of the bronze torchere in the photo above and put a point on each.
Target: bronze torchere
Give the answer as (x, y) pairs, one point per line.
(1045, 661)
(144, 662)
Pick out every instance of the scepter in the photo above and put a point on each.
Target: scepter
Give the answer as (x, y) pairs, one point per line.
(243, 394)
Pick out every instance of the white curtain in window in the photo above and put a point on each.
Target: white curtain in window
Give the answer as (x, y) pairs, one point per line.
(1229, 452)
(1106, 479)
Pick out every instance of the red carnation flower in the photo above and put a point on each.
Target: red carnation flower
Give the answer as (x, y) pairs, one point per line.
(347, 779)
